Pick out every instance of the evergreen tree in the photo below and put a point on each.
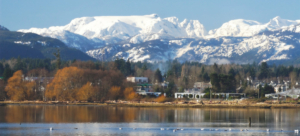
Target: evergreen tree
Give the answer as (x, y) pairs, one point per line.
(158, 76)
(206, 77)
(19, 65)
(58, 61)
(170, 89)
(264, 70)
(215, 68)
(1, 69)
(231, 72)
(214, 79)
(144, 67)
(128, 68)
(202, 70)
(8, 72)
(266, 90)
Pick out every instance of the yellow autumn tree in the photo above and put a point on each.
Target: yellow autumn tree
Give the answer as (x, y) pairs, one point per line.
(86, 92)
(17, 89)
(65, 84)
(161, 98)
(129, 93)
(114, 92)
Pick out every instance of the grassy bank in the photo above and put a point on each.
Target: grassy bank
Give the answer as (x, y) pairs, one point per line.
(203, 104)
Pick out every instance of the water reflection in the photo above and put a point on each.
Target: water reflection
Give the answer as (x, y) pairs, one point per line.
(78, 114)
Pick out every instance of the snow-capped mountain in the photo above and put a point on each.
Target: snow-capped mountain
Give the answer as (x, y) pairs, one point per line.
(103, 30)
(280, 45)
(241, 27)
(152, 38)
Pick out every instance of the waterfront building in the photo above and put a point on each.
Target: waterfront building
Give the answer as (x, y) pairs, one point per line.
(137, 79)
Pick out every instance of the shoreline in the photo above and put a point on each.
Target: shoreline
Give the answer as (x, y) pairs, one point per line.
(157, 105)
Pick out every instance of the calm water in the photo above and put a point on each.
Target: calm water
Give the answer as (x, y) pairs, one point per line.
(104, 120)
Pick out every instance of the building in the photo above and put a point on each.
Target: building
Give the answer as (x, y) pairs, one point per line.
(196, 94)
(190, 93)
(280, 88)
(202, 85)
(281, 96)
(164, 84)
(287, 84)
(229, 95)
(150, 93)
(144, 88)
(137, 79)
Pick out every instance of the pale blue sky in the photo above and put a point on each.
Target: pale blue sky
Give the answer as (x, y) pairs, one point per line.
(24, 14)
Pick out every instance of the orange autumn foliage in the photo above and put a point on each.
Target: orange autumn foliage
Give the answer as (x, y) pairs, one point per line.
(114, 92)
(161, 98)
(70, 83)
(129, 93)
(17, 89)
(65, 84)
(86, 92)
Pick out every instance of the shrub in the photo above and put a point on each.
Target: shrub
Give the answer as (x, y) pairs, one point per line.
(160, 99)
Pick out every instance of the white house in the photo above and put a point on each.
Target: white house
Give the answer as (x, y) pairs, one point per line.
(202, 85)
(137, 79)
(190, 93)
(277, 90)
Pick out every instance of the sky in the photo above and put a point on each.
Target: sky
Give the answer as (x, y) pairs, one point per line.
(25, 14)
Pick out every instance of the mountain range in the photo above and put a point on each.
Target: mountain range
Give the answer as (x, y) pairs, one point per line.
(30, 45)
(152, 38)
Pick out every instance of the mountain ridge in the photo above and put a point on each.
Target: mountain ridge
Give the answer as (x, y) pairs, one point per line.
(152, 38)
(30, 45)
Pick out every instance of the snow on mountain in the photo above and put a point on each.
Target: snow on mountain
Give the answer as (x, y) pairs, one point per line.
(291, 28)
(152, 38)
(113, 29)
(241, 27)
(269, 46)
(70, 39)
(277, 22)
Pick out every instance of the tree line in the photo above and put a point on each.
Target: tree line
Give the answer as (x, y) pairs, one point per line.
(97, 81)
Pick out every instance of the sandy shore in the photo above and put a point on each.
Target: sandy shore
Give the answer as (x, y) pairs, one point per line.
(154, 104)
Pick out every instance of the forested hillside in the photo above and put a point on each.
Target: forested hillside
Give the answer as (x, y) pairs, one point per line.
(29, 45)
